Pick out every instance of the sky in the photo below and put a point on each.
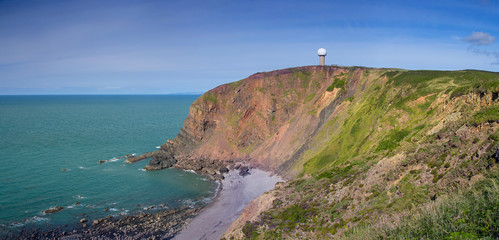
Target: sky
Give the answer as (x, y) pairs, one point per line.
(167, 47)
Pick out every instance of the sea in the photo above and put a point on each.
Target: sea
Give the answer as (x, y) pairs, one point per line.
(50, 148)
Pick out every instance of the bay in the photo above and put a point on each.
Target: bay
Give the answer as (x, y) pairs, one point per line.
(50, 147)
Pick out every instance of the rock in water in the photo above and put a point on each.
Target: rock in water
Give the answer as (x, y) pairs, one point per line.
(54, 210)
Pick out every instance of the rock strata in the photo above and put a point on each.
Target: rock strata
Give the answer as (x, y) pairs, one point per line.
(251, 122)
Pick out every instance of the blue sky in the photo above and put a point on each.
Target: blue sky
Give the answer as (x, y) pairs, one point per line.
(158, 47)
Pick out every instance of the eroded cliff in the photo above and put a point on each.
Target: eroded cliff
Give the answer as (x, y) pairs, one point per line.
(362, 148)
(265, 120)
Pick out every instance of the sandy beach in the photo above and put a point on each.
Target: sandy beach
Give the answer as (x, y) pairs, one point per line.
(237, 191)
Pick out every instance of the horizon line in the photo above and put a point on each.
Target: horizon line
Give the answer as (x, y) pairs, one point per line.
(102, 94)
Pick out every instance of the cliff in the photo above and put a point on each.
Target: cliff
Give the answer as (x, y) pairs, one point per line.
(362, 147)
(266, 120)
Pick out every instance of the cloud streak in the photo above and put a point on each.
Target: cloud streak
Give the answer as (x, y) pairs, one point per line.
(487, 53)
(479, 38)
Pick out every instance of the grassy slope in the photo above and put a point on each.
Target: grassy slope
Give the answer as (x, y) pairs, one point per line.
(409, 137)
(472, 214)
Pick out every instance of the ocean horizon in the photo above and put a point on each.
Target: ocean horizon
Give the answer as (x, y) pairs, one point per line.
(51, 146)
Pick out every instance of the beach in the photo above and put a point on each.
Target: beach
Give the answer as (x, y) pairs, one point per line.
(210, 222)
(236, 192)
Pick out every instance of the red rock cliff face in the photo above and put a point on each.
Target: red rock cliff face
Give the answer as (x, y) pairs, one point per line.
(265, 120)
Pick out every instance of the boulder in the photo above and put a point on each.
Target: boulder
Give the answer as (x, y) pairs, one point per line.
(218, 177)
(223, 170)
(160, 160)
(54, 210)
(244, 171)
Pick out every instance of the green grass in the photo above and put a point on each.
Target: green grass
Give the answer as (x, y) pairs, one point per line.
(286, 219)
(490, 114)
(415, 77)
(309, 97)
(385, 120)
(304, 77)
(249, 230)
(351, 138)
(411, 195)
(335, 174)
(473, 214)
(208, 96)
(392, 140)
(338, 83)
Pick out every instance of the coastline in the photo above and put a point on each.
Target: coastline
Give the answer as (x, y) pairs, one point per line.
(208, 222)
(235, 193)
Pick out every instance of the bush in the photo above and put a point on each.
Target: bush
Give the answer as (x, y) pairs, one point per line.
(338, 83)
(472, 215)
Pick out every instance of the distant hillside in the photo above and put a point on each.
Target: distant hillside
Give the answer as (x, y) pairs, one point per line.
(362, 148)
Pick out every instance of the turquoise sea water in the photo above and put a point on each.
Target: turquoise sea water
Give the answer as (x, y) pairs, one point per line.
(42, 135)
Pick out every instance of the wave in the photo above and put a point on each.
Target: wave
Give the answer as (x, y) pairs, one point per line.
(188, 202)
(77, 204)
(33, 219)
(191, 171)
(141, 169)
(79, 197)
(122, 213)
(158, 147)
(207, 200)
(37, 219)
(115, 159)
(148, 208)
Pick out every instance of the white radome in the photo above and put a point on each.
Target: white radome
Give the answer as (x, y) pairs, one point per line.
(321, 52)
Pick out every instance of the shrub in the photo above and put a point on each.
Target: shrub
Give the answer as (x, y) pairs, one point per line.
(338, 83)
(472, 215)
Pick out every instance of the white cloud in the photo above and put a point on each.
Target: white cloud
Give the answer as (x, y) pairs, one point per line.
(479, 38)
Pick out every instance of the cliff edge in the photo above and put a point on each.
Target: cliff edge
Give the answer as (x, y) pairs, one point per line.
(364, 149)
(266, 120)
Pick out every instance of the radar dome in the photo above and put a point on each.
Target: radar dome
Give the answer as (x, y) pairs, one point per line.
(321, 52)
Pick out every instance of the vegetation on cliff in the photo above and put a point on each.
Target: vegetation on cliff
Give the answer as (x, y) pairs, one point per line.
(364, 150)
(388, 144)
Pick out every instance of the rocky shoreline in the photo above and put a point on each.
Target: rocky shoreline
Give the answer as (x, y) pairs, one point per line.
(164, 224)
(240, 184)
(159, 225)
